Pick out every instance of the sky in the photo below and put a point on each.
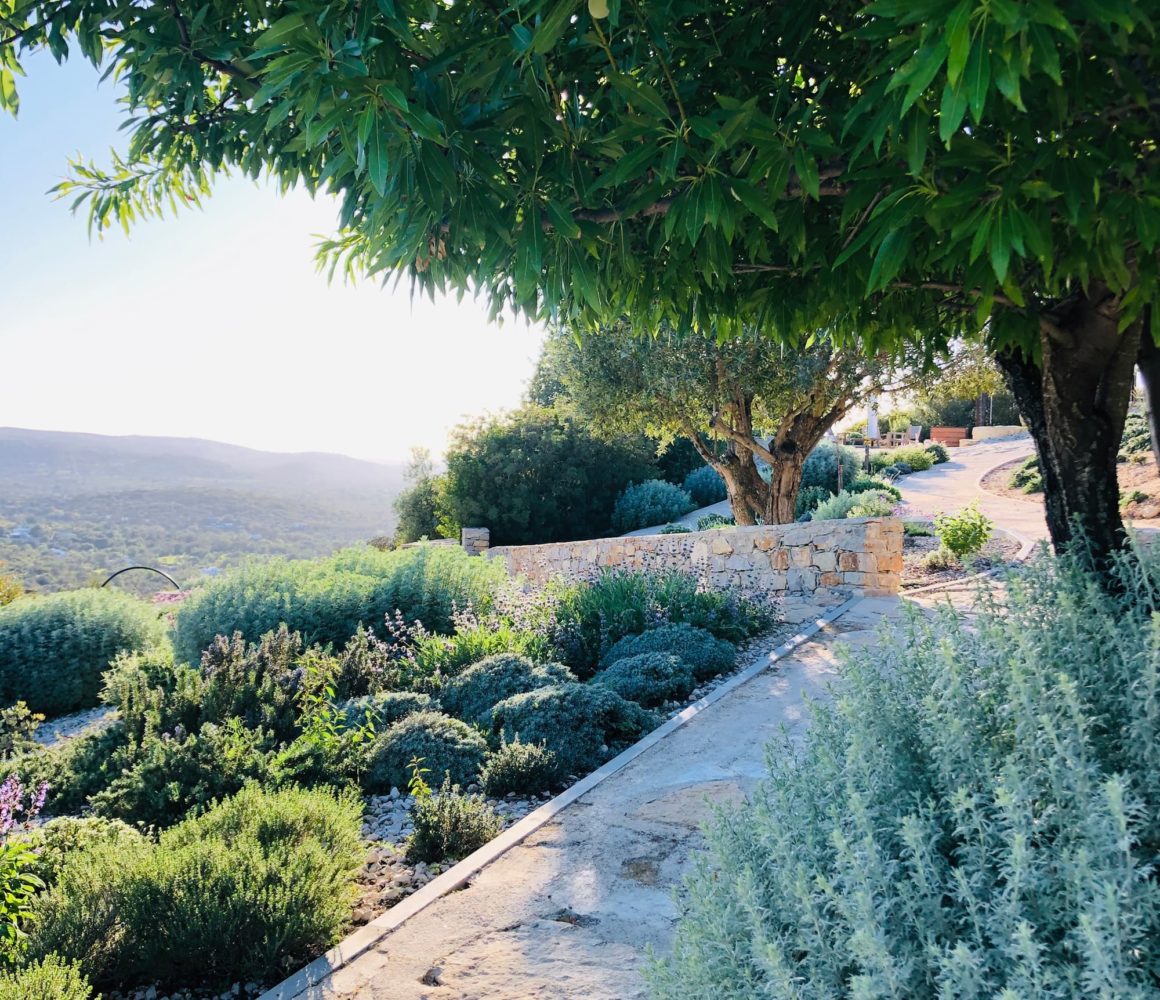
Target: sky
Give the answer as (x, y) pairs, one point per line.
(215, 323)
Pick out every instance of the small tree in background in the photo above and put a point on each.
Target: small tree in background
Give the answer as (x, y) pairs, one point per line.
(416, 507)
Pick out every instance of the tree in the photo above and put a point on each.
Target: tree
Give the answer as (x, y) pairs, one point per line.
(900, 169)
(740, 390)
(537, 475)
(416, 507)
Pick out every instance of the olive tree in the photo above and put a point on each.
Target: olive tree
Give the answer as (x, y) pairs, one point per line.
(902, 170)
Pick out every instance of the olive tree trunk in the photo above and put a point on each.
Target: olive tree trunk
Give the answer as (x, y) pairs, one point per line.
(1075, 402)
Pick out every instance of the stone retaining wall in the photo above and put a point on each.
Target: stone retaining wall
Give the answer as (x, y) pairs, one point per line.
(826, 559)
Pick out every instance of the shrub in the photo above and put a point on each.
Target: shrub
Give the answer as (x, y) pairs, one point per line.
(837, 507)
(965, 533)
(474, 640)
(244, 892)
(807, 499)
(917, 457)
(649, 679)
(821, 467)
(706, 486)
(705, 654)
(1137, 439)
(326, 600)
(10, 589)
(472, 693)
(66, 837)
(54, 649)
(18, 725)
(445, 745)
(1027, 477)
(450, 825)
(917, 529)
(592, 617)
(52, 978)
(523, 768)
(416, 514)
(75, 769)
(649, 503)
(864, 484)
(18, 880)
(872, 505)
(938, 452)
(675, 529)
(385, 707)
(579, 723)
(975, 815)
(711, 521)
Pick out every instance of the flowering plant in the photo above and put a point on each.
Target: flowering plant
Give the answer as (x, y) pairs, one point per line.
(18, 884)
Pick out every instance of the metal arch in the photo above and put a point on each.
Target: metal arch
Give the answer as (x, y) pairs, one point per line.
(176, 585)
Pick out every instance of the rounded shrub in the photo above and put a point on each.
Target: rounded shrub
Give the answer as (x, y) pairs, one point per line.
(807, 499)
(707, 655)
(865, 484)
(964, 533)
(974, 815)
(52, 978)
(821, 466)
(918, 457)
(523, 768)
(709, 522)
(445, 746)
(649, 679)
(706, 486)
(326, 600)
(580, 723)
(66, 836)
(471, 694)
(896, 470)
(675, 529)
(54, 649)
(837, 507)
(871, 504)
(450, 825)
(254, 886)
(938, 452)
(649, 503)
(385, 708)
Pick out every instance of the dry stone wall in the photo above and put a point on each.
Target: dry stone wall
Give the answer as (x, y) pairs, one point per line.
(825, 559)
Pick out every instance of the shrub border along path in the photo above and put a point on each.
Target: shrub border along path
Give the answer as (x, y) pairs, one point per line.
(307, 981)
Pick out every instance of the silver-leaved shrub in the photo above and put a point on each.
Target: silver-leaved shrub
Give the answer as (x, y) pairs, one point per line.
(977, 814)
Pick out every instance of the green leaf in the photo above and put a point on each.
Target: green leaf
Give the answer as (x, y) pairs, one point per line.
(978, 80)
(918, 73)
(755, 201)
(951, 111)
(562, 220)
(639, 94)
(377, 159)
(551, 29)
(9, 99)
(917, 140)
(888, 261)
(806, 166)
(958, 39)
(1000, 248)
(280, 31)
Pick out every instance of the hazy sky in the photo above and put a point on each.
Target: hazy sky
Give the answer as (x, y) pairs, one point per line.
(215, 324)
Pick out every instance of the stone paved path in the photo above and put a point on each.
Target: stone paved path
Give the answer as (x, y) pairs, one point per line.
(572, 911)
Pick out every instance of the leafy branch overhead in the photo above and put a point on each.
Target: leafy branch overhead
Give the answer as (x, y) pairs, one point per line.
(881, 167)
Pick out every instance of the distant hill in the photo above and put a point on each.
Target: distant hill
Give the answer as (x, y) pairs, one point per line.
(74, 507)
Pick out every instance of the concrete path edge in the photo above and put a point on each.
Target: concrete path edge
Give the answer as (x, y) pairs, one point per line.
(366, 937)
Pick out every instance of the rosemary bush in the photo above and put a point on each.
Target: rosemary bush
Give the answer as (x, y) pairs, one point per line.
(471, 694)
(977, 814)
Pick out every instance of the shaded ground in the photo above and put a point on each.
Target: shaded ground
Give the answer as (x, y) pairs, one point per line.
(999, 551)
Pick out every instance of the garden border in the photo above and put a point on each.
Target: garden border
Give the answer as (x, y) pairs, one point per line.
(365, 938)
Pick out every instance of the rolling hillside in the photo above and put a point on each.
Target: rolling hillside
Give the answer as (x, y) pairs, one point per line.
(76, 507)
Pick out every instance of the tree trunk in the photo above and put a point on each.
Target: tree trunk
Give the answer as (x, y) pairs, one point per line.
(1075, 403)
(1148, 361)
(746, 489)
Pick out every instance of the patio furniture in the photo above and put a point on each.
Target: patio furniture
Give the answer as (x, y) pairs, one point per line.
(949, 436)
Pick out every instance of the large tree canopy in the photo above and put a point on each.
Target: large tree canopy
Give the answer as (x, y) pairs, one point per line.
(761, 401)
(894, 169)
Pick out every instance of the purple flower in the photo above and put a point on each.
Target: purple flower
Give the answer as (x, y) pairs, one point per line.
(12, 806)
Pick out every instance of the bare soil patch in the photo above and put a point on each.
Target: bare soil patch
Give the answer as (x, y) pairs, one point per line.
(1138, 481)
(1001, 550)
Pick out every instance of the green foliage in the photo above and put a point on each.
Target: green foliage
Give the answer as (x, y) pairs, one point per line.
(445, 745)
(974, 815)
(1137, 438)
(649, 679)
(821, 467)
(385, 707)
(416, 511)
(872, 504)
(450, 825)
(17, 727)
(675, 529)
(52, 978)
(54, 649)
(539, 476)
(582, 724)
(838, 506)
(864, 484)
(808, 498)
(916, 529)
(74, 769)
(248, 890)
(649, 503)
(964, 533)
(707, 655)
(706, 486)
(938, 452)
(59, 840)
(326, 600)
(471, 694)
(680, 459)
(592, 617)
(10, 589)
(522, 768)
(918, 457)
(709, 522)
(1027, 477)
